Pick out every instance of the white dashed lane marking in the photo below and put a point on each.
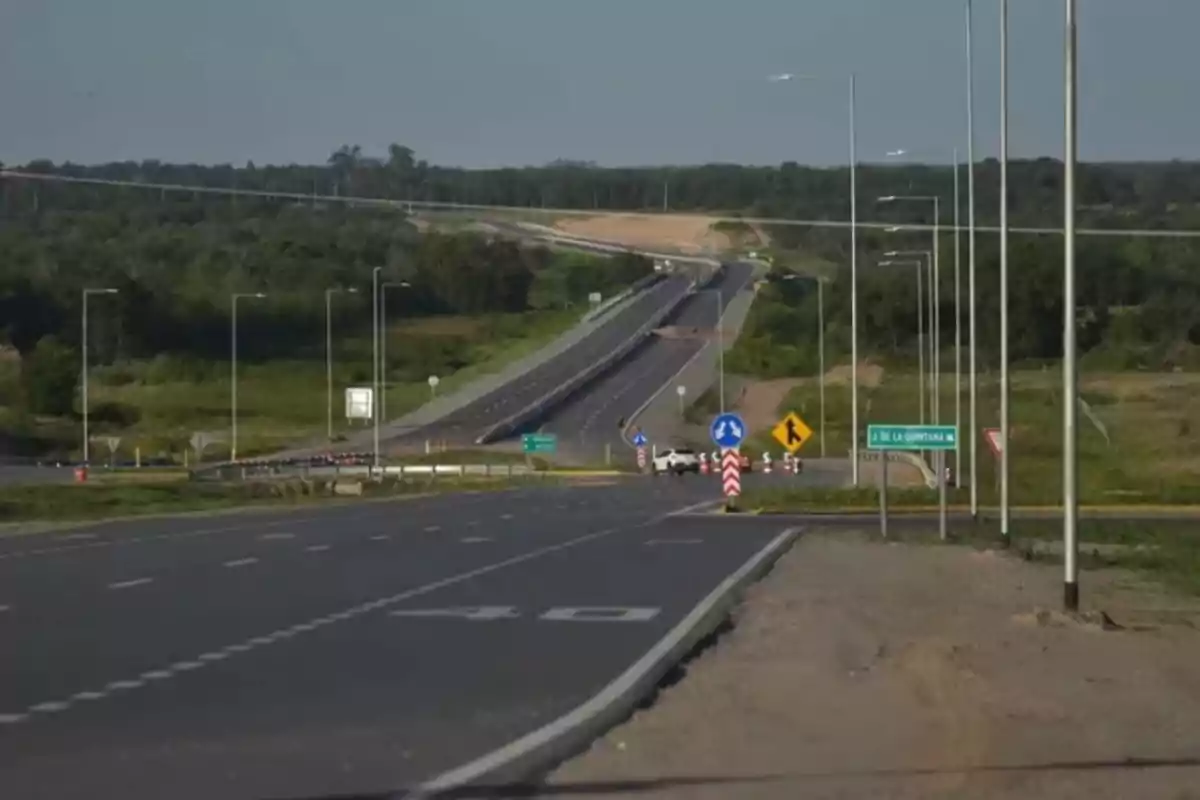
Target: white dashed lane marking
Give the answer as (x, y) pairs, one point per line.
(475, 539)
(75, 537)
(4, 608)
(316, 548)
(129, 584)
(380, 537)
(506, 516)
(241, 562)
(432, 528)
(274, 536)
(202, 660)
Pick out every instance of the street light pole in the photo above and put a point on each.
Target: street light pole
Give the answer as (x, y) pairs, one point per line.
(1070, 387)
(84, 377)
(821, 354)
(375, 361)
(1004, 388)
(329, 356)
(972, 378)
(957, 329)
(233, 397)
(853, 289)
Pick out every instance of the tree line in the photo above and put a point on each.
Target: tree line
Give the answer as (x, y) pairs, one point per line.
(1110, 194)
(176, 267)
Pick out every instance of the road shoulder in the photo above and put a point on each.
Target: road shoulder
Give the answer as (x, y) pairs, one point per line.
(859, 668)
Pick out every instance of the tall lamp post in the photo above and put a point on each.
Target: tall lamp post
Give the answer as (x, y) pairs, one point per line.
(1070, 383)
(920, 325)
(935, 295)
(931, 300)
(973, 376)
(233, 397)
(375, 362)
(1004, 509)
(853, 103)
(84, 377)
(329, 293)
(383, 326)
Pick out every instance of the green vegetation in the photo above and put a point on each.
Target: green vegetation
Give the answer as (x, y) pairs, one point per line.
(457, 306)
(102, 500)
(1146, 453)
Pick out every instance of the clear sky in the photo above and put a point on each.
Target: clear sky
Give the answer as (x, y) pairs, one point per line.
(500, 82)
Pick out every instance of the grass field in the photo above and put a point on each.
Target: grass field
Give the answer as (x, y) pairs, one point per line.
(1140, 443)
(159, 404)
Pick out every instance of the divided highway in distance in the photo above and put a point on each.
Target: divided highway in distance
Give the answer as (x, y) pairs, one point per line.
(592, 419)
(463, 426)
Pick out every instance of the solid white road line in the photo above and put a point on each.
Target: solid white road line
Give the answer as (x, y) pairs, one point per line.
(130, 583)
(241, 562)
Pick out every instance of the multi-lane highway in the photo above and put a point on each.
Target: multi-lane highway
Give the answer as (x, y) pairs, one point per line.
(465, 424)
(335, 650)
(592, 420)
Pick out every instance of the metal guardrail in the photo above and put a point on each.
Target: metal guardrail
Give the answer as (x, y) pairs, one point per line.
(912, 459)
(276, 470)
(509, 426)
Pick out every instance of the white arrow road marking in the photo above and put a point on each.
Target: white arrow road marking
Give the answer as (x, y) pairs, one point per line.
(601, 614)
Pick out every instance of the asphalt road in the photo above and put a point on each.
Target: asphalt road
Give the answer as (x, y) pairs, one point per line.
(294, 654)
(592, 419)
(465, 424)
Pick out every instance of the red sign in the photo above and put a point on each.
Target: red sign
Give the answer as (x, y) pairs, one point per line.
(992, 437)
(731, 472)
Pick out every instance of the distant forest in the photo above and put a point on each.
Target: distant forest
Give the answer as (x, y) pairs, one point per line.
(177, 255)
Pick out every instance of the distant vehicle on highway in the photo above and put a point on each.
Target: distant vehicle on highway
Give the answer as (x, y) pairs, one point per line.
(677, 461)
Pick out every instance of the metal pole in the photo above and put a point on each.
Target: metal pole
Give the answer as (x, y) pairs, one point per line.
(233, 381)
(853, 290)
(328, 365)
(974, 372)
(821, 352)
(920, 341)
(929, 335)
(1070, 389)
(721, 347)
(941, 468)
(883, 500)
(1004, 509)
(383, 354)
(937, 313)
(84, 380)
(375, 360)
(957, 330)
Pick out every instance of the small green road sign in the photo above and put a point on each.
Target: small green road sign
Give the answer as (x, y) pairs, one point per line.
(539, 442)
(911, 437)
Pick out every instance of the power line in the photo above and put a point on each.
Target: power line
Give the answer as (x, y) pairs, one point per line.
(579, 212)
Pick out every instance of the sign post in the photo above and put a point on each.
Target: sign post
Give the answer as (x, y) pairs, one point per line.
(883, 481)
(639, 441)
(434, 380)
(727, 432)
(938, 438)
(681, 390)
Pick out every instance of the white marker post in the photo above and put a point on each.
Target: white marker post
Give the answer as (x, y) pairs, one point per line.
(883, 482)
(681, 390)
(434, 380)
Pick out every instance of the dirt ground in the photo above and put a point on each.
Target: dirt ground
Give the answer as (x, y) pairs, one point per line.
(760, 401)
(686, 233)
(863, 669)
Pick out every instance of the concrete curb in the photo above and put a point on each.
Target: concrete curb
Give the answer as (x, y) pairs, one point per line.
(527, 757)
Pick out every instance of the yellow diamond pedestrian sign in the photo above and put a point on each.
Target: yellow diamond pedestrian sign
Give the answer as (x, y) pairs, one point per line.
(791, 432)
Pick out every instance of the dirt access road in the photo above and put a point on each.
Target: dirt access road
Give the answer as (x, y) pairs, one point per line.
(862, 669)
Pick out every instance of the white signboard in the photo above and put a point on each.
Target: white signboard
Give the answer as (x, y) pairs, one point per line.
(359, 402)
(594, 298)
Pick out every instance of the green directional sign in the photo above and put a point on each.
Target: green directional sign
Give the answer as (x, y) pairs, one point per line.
(911, 437)
(539, 442)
